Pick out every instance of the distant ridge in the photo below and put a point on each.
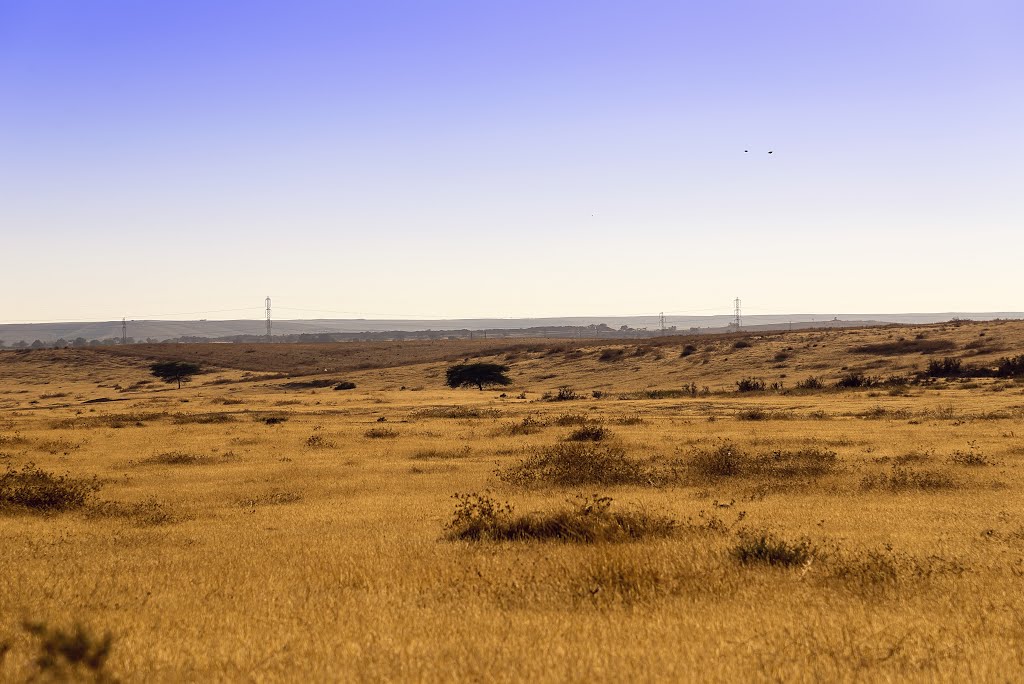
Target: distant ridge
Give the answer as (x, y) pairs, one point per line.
(607, 326)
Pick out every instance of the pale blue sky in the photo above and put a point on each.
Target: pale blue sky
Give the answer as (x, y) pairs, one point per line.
(513, 158)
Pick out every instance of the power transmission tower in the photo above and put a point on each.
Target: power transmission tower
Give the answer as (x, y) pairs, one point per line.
(739, 320)
(268, 320)
(124, 331)
(661, 322)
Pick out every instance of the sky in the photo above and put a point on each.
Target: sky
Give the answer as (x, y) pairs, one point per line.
(508, 158)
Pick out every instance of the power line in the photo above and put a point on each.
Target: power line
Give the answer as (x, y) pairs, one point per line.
(738, 318)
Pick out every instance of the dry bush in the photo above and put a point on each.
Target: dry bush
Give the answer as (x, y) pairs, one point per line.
(319, 442)
(574, 464)
(764, 548)
(202, 418)
(904, 346)
(275, 497)
(972, 457)
(58, 446)
(564, 393)
(613, 354)
(811, 383)
(441, 454)
(464, 412)
(478, 517)
(730, 461)
(35, 489)
(589, 433)
(883, 413)
(380, 433)
(527, 426)
(182, 458)
(75, 655)
(751, 385)
(567, 419)
(901, 479)
(870, 572)
(150, 512)
(762, 414)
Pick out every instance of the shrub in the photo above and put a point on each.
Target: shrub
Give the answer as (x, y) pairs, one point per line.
(150, 512)
(589, 433)
(854, 380)
(527, 426)
(740, 344)
(904, 346)
(180, 458)
(38, 490)
(75, 655)
(441, 454)
(946, 368)
(460, 412)
(345, 385)
(810, 383)
(565, 393)
(725, 461)
(587, 520)
(1010, 367)
(609, 355)
(575, 464)
(729, 461)
(972, 457)
(687, 350)
(751, 385)
(767, 549)
(809, 462)
(380, 433)
(905, 479)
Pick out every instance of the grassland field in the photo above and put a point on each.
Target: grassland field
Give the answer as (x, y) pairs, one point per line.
(259, 525)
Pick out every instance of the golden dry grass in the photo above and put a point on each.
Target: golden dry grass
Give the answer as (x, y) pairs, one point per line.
(226, 547)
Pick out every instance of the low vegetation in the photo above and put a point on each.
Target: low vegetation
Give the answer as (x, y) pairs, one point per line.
(34, 489)
(579, 464)
(479, 517)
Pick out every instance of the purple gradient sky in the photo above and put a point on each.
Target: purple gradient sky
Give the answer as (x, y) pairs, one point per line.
(514, 158)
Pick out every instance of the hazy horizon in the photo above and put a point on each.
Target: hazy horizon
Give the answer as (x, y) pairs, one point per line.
(457, 160)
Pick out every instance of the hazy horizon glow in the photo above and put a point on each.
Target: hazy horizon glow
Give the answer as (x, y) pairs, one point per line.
(486, 159)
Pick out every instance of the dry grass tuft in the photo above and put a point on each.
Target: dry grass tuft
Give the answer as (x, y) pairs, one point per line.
(576, 464)
(35, 489)
(901, 479)
(478, 517)
(183, 458)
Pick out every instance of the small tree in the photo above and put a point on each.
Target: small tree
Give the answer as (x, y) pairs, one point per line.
(478, 374)
(175, 371)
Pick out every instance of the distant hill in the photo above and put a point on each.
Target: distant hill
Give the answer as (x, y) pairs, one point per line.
(606, 326)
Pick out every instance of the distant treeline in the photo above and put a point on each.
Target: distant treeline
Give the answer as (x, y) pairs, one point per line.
(554, 332)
